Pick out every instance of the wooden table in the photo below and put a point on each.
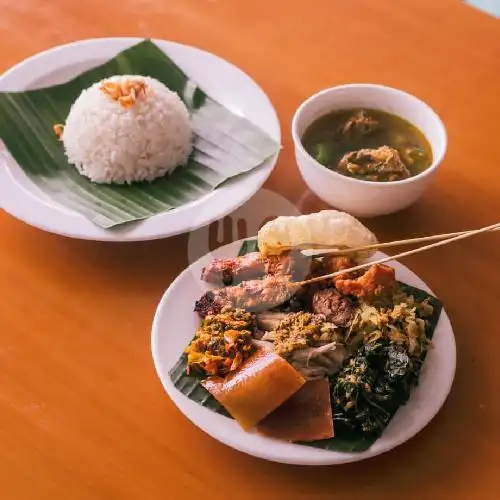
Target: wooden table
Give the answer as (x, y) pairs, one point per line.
(82, 412)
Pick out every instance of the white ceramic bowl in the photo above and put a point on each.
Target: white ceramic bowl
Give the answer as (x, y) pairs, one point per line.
(365, 198)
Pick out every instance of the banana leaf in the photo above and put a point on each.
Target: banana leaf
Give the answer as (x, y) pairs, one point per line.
(248, 246)
(226, 144)
(344, 441)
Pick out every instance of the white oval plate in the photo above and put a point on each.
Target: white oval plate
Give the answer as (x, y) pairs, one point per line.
(223, 81)
(174, 326)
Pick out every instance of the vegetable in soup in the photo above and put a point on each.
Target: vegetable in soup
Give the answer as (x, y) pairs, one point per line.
(368, 144)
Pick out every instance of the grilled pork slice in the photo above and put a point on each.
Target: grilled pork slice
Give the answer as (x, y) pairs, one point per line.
(253, 265)
(253, 295)
(229, 271)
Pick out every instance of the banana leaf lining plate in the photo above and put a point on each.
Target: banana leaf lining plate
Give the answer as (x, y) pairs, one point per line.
(174, 326)
(220, 80)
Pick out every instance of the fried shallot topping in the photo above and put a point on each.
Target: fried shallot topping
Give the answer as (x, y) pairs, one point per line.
(125, 92)
(58, 130)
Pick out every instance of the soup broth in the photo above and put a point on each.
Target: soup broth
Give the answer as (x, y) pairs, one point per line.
(368, 144)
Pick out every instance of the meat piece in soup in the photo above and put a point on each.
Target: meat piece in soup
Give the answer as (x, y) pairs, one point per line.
(368, 144)
(358, 124)
(381, 164)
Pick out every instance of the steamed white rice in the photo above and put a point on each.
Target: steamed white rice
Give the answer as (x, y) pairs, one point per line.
(112, 144)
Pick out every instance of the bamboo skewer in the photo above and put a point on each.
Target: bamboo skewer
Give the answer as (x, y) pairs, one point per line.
(410, 241)
(460, 236)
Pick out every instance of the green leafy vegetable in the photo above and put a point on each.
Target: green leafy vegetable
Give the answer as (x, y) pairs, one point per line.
(248, 246)
(226, 144)
(371, 387)
(323, 154)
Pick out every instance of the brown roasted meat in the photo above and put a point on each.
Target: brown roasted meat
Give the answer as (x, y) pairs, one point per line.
(378, 281)
(327, 265)
(288, 264)
(334, 263)
(337, 308)
(358, 124)
(319, 267)
(381, 164)
(229, 271)
(254, 295)
(253, 265)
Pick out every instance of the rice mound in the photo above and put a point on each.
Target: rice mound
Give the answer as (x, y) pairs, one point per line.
(109, 143)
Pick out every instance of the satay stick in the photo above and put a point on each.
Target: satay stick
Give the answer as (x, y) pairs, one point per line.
(460, 236)
(376, 246)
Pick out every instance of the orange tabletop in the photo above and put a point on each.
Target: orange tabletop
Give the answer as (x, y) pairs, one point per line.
(82, 412)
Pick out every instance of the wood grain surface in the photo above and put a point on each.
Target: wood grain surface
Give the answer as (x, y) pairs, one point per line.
(82, 412)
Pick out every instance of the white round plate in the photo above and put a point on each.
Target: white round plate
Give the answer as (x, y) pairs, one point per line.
(175, 324)
(220, 79)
